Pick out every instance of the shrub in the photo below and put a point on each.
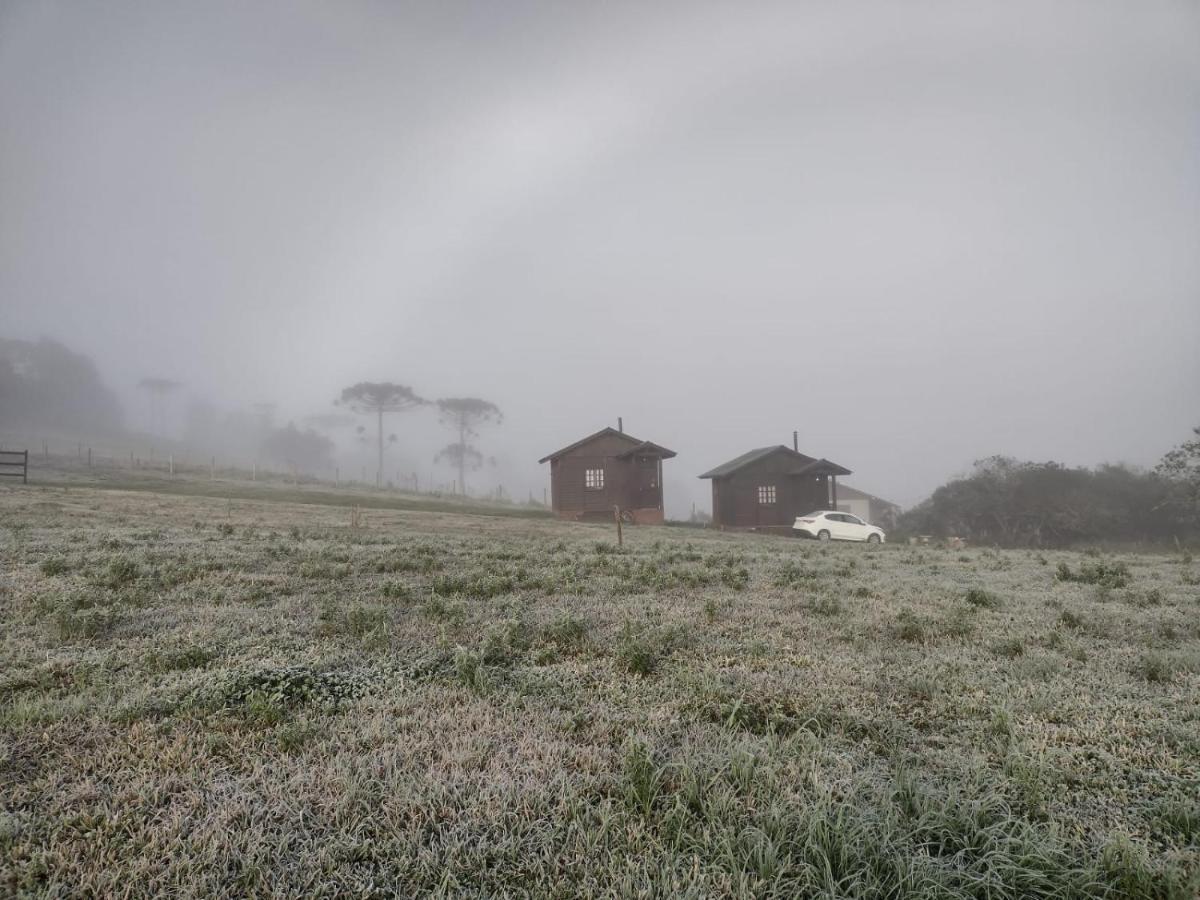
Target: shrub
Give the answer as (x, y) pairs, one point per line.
(121, 571)
(636, 654)
(504, 642)
(1180, 819)
(357, 620)
(640, 651)
(292, 736)
(1010, 648)
(642, 780)
(1160, 667)
(179, 659)
(791, 574)
(470, 670)
(473, 587)
(982, 599)
(1070, 619)
(54, 565)
(84, 624)
(396, 590)
(1107, 575)
(909, 628)
(566, 632)
(282, 687)
(826, 606)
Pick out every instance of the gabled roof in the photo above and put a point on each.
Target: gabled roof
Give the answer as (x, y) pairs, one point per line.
(821, 467)
(845, 492)
(753, 456)
(806, 465)
(647, 448)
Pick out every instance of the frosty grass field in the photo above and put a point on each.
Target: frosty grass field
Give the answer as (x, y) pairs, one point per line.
(212, 697)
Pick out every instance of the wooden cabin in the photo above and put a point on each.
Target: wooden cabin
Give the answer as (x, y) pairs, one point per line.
(605, 470)
(766, 489)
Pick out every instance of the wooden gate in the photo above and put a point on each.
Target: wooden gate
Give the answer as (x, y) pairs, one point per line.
(15, 464)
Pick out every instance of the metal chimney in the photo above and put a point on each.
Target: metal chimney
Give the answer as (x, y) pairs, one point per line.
(620, 425)
(796, 441)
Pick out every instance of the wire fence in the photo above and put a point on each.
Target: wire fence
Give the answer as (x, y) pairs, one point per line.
(56, 460)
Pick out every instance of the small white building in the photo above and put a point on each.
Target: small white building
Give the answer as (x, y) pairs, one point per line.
(866, 506)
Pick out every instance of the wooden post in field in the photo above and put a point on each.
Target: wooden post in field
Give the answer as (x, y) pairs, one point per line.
(171, 464)
(79, 452)
(617, 516)
(336, 475)
(254, 471)
(544, 503)
(130, 460)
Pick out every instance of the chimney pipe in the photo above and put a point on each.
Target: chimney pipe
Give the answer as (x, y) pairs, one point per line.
(620, 425)
(796, 441)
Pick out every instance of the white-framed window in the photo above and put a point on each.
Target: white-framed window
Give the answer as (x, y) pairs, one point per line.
(593, 479)
(766, 495)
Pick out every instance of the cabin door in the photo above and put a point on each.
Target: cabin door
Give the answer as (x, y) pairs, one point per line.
(649, 491)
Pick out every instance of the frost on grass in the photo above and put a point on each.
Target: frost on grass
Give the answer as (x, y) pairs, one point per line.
(202, 700)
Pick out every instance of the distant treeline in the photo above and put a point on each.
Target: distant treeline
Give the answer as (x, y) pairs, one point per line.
(43, 383)
(1011, 503)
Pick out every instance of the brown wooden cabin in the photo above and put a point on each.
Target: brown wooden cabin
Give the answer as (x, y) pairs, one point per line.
(766, 489)
(607, 469)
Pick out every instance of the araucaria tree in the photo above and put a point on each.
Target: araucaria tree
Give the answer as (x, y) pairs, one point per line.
(377, 398)
(463, 415)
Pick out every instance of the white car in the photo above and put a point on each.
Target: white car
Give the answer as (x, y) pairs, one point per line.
(826, 525)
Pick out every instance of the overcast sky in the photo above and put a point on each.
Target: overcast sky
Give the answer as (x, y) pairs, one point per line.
(919, 233)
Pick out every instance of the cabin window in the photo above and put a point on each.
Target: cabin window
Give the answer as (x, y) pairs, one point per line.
(766, 495)
(593, 479)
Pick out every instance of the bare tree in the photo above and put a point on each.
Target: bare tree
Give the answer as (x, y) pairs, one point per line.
(158, 388)
(379, 397)
(463, 415)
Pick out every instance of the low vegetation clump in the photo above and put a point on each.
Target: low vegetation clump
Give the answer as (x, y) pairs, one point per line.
(284, 686)
(983, 599)
(1107, 575)
(520, 707)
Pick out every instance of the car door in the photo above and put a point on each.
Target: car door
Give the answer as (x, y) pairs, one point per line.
(838, 527)
(856, 528)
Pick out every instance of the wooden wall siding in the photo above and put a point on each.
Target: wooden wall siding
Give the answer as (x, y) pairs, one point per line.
(632, 484)
(735, 497)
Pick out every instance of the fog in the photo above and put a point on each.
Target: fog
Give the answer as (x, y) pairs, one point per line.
(919, 234)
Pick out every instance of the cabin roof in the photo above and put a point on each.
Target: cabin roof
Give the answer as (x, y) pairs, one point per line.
(821, 467)
(806, 465)
(646, 448)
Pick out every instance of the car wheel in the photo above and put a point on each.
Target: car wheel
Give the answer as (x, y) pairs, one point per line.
(822, 535)
(872, 539)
